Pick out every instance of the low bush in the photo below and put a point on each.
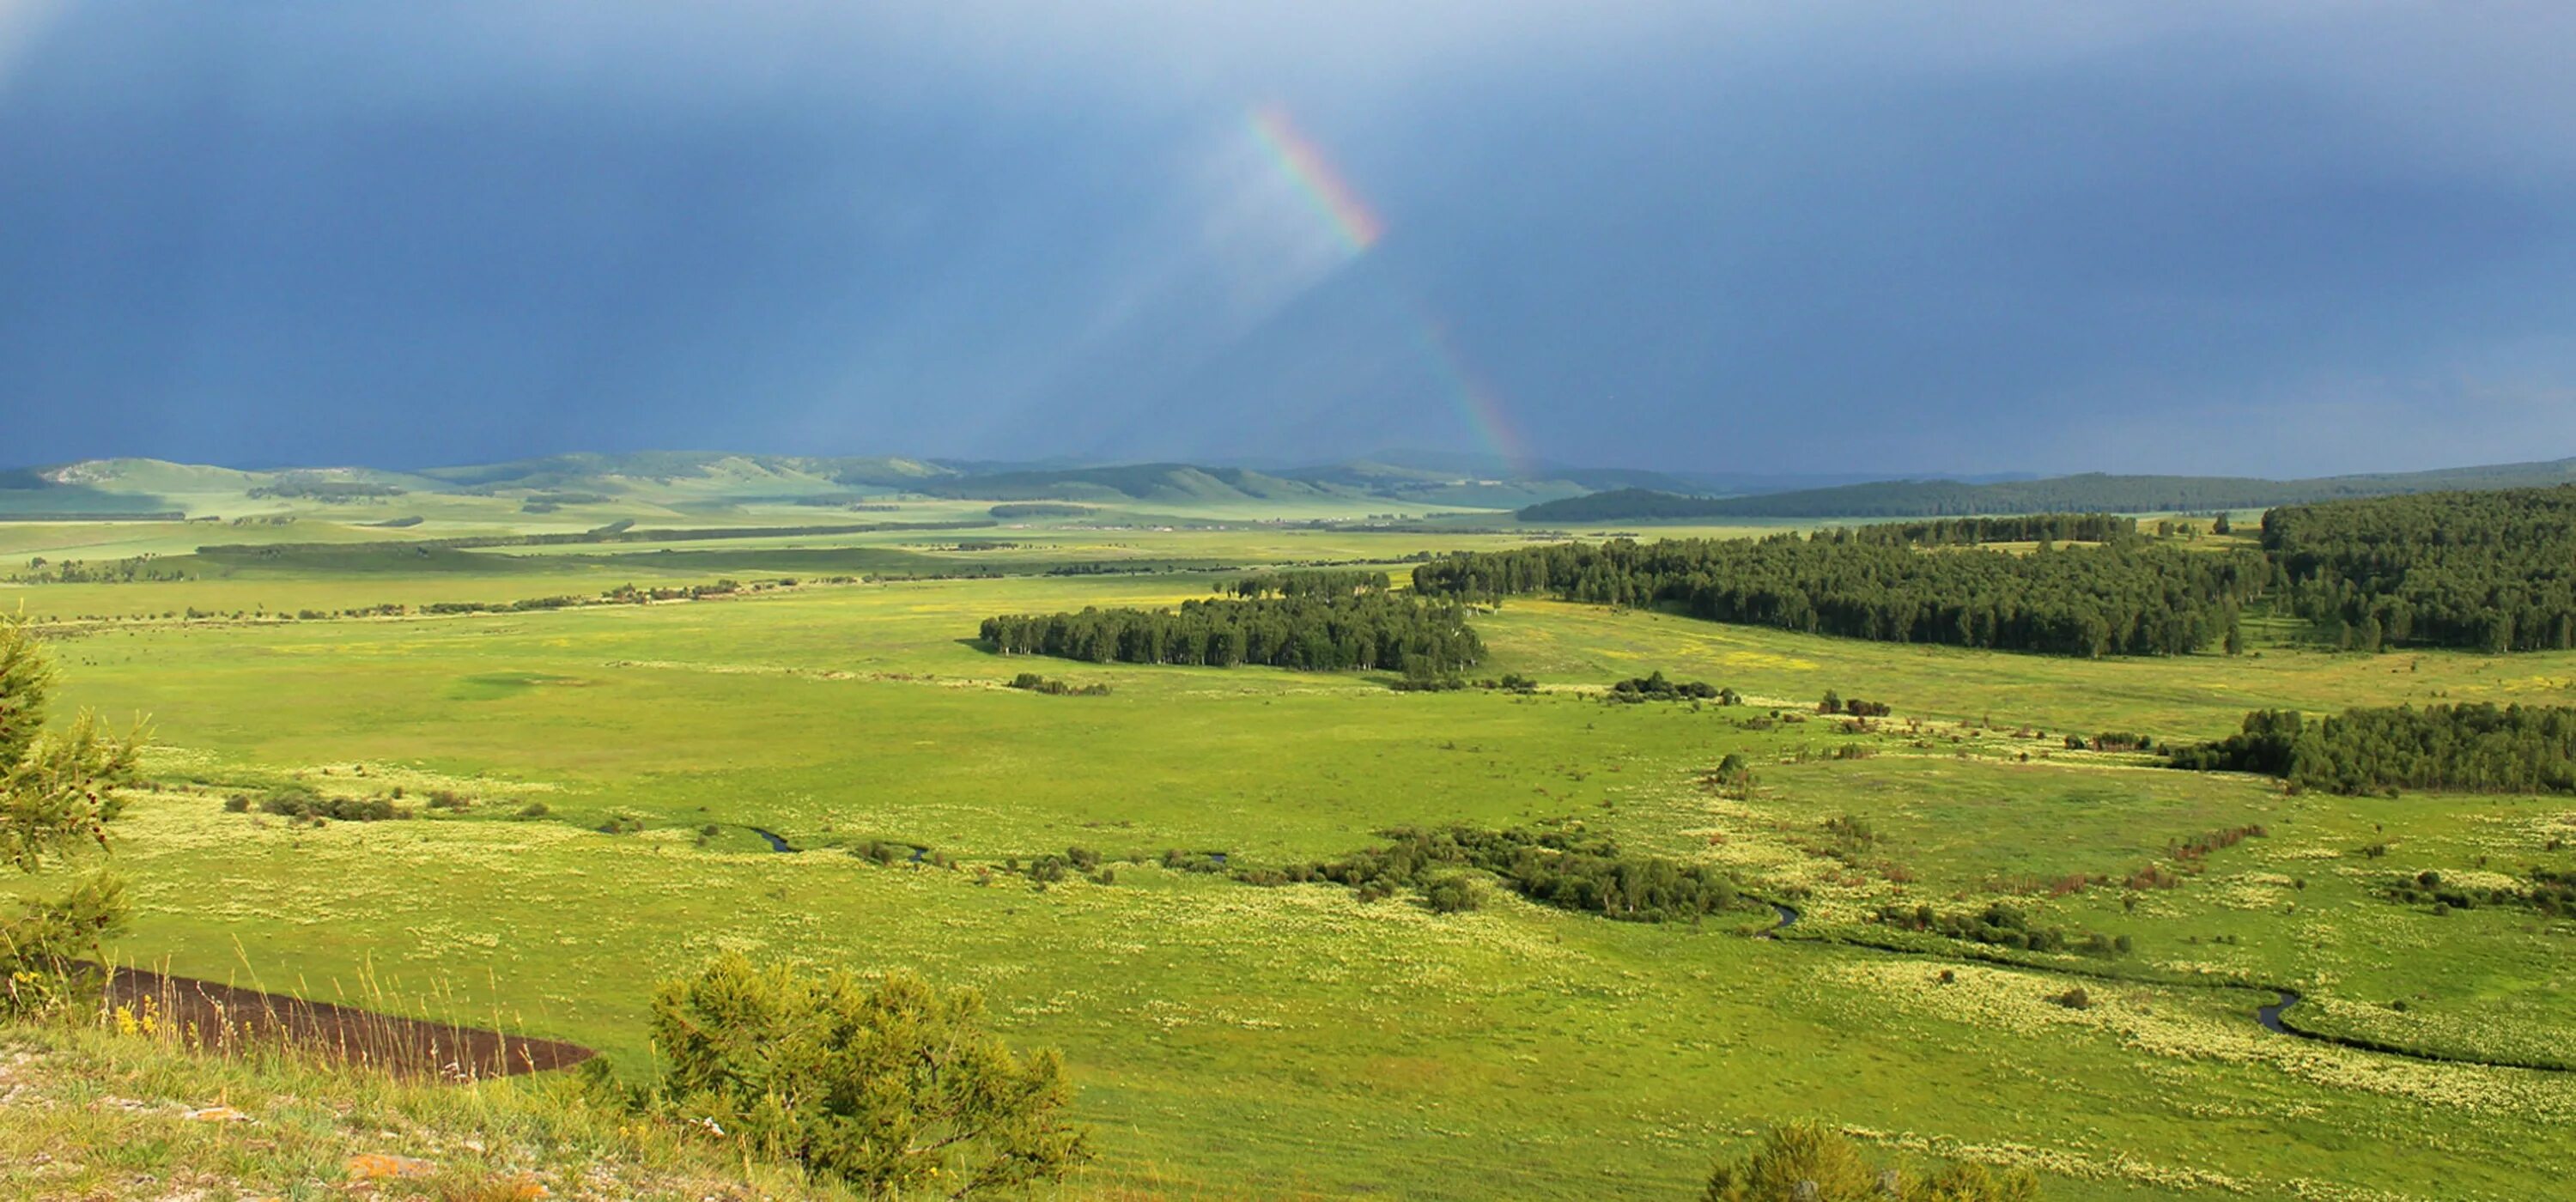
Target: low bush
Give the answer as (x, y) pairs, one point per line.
(1655, 687)
(891, 1084)
(1812, 1162)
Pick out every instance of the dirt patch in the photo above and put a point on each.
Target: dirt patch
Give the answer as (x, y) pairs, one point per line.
(228, 1018)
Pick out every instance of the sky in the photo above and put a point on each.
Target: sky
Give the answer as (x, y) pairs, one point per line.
(2268, 237)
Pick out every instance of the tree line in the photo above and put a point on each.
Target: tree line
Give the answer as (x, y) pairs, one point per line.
(2020, 528)
(2122, 598)
(2474, 747)
(2492, 570)
(1326, 632)
(1305, 584)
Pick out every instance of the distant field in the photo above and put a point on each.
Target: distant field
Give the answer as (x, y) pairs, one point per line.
(1237, 1040)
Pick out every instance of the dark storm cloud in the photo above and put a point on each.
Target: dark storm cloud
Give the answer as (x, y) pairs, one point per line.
(2271, 237)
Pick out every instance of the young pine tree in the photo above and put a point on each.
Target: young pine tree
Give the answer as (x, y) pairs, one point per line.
(56, 798)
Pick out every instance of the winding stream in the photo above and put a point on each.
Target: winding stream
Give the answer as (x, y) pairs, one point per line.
(2267, 1017)
(2270, 1016)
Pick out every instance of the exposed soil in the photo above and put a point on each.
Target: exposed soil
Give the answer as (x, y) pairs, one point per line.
(225, 1018)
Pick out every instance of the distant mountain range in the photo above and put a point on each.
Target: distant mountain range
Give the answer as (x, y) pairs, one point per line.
(691, 478)
(2090, 492)
(1406, 482)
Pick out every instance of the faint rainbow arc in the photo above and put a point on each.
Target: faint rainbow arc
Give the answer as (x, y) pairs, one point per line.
(1304, 163)
(1474, 399)
(1357, 225)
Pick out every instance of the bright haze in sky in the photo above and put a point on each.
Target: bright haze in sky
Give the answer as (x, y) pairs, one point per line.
(2257, 236)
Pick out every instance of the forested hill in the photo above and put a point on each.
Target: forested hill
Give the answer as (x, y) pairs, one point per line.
(2092, 491)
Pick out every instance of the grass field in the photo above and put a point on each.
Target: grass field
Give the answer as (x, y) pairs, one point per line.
(1236, 1040)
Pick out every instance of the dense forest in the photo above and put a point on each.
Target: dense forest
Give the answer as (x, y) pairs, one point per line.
(2118, 599)
(1315, 631)
(2475, 747)
(2493, 570)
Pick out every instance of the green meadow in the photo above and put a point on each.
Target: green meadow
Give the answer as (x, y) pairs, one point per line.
(619, 762)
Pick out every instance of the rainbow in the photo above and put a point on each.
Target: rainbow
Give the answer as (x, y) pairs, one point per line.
(1340, 205)
(1474, 400)
(1304, 162)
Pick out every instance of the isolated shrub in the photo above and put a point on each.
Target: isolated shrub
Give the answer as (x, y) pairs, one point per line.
(892, 1084)
(1453, 895)
(534, 809)
(1812, 1162)
(1806, 1161)
(56, 798)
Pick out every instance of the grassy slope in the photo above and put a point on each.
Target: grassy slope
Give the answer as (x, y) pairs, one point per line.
(94, 1114)
(1236, 1040)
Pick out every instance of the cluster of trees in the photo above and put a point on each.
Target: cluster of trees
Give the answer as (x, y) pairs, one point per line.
(2473, 747)
(1655, 687)
(624, 594)
(2493, 570)
(115, 571)
(303, 805)
(1835, 703)
(1035, 509)
(1564, 867)
(2552, 893)
(1328, 632)
(2117, 599)
(2112, 740)
(1032, 682)
(2000, 925)
(1305, 584)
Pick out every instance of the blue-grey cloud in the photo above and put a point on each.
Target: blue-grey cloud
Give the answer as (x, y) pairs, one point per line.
(2276, 237)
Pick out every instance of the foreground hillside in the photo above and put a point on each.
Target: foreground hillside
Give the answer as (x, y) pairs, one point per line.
(95, 1114)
